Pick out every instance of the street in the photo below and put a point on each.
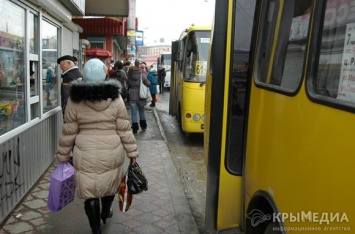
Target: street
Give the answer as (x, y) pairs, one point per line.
(188, 157)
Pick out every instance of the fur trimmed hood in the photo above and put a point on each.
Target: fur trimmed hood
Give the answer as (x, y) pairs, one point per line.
(95, 91)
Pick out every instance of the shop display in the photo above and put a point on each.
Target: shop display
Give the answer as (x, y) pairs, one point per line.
(11, 82)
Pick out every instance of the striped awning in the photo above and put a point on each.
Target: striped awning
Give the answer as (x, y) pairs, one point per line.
(101, 26)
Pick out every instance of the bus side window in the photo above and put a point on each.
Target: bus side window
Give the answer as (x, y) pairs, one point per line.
(287, 59)
(291, 45)
(335, 61)
(191, 56)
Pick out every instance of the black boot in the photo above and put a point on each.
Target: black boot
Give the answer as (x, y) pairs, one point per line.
(92, 210)
(106, 212)
(143, 124)
(135, 127)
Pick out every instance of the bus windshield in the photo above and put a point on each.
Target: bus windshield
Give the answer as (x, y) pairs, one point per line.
(195, 62)
(166, 61)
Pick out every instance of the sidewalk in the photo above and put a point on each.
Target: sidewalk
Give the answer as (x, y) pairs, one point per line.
(161, 209)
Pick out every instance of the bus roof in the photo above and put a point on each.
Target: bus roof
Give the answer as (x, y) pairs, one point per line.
(199, 27)
(195, 28)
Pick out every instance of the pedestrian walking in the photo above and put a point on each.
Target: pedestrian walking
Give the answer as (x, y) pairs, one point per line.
(97, 131)
(126, 66)
(119, 74)
(144, 69)
(153, 79)
(134, 82)
(70, 72)
(161, 78)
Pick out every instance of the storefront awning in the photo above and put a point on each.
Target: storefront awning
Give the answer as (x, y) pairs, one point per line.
(114, 8)
(100, 26)
(97, 52)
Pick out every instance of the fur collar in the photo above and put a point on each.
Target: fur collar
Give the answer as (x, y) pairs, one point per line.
(95, 91)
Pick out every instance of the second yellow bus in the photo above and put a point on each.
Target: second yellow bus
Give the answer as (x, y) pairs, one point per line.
(188, 77)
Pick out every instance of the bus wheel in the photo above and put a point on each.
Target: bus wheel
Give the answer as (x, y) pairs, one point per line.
(260, 213)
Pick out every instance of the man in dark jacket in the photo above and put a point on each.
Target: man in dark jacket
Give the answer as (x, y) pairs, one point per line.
(119, 74)
(70, 72)
(161, 78)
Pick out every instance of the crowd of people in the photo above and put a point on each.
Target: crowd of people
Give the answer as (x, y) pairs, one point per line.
(128, 74)
(97, 134)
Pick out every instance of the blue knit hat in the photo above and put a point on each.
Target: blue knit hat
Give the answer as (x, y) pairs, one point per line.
(94, 70)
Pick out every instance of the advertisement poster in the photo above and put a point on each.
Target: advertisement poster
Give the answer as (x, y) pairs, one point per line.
(139, 38)
(346, 90)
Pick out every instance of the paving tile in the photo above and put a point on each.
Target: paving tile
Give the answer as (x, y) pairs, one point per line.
(132, 223)
(147, 197)
(163, 224)
(160, 202)
(148, 229)
(146, 207)
(29, 215)
(35, 204)
(161, 212)
(19, 227)
(147, 218)
(134, 212)
(40, 194)
(116, 228)
(173, 229)
(38, 222)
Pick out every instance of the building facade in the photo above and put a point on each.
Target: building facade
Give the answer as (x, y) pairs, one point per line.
(150, 54)
(33, 34)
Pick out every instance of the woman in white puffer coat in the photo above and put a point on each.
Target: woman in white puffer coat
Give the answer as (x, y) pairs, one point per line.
(97, 130)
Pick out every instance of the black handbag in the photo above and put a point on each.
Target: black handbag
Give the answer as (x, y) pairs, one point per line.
(136, 181)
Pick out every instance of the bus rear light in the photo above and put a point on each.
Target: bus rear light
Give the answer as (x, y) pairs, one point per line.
(188, 115)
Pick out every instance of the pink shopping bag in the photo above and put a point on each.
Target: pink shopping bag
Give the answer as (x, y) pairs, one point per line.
(61, 187)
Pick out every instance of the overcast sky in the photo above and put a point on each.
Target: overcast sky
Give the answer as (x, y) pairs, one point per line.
(168, 18)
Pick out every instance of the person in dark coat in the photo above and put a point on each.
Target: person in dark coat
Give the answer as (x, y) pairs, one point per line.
(70, 72)
(119, 74)
(161, 78)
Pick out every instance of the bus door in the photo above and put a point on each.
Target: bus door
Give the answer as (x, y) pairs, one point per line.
(226, 112)
(175, 64)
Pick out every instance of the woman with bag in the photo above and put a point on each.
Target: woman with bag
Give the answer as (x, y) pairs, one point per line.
(97, 131)
(134, 82)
